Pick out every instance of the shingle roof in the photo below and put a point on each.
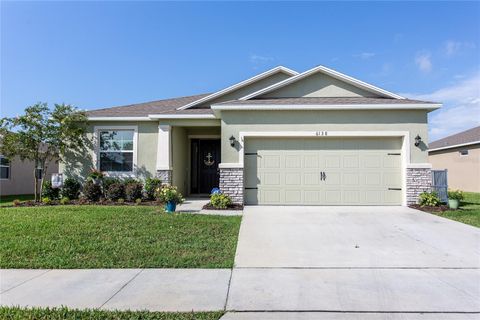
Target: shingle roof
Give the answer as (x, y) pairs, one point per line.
(167, 106)
(323, 101)
(470, 135)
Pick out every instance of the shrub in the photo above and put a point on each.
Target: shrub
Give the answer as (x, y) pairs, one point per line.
(49, 192)
(455, 195)
(108, 181)
(95, 175)
(71, 188)
(64, 200)
(133, 191)
(138, 200)
(220, 200)
(429, 199)
(151, 185)
(16, 202)
(46, 200)
(121, 200)
(92, 191)
(115, 191)
(169, 193)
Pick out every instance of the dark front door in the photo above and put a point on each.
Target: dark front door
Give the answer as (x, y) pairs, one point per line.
(205, 159)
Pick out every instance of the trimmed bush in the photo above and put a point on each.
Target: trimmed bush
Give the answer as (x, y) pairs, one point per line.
(92, 191)
(49, 192)
(71, 188)
(108, 181)
(138, 200)
(151, 185)
(115, 191)
(133, 191)
(64, 200)
(429, 199)
(46, 200)
(220, 200)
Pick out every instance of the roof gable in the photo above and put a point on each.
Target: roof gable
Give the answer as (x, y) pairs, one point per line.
(245, 87)
(321, 82)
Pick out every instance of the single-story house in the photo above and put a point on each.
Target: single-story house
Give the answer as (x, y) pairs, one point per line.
(460, 155)
(318, 137)
(17, 176)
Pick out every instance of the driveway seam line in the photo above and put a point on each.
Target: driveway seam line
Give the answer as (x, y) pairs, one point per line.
(28, 280)
(121, 288)
(228, 290)
(349, 311)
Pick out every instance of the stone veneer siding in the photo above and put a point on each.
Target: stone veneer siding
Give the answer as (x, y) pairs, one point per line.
(165, 176)
(231, 183)
(418, 181)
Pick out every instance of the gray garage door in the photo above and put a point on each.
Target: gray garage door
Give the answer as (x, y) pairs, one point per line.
(323, 171)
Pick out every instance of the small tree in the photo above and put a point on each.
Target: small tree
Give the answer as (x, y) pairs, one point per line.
(42, 135)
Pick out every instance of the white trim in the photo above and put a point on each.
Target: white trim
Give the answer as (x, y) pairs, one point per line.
(405, 135)
(240, 85)
(119, 119)
(230, 165)
(419, 166)
(330, 72)
(164, 154)
(96, 155)
(455, 146)
(394, 106)
(204, 136)
(181, 116)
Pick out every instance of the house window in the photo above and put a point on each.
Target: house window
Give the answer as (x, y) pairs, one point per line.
(116, 150)
(464, 152)
(4, 168)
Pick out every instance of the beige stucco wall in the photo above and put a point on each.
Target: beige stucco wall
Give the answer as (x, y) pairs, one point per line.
(463, 171)
(21, 177)
(414, 121)
(319, 85)
(79, 165)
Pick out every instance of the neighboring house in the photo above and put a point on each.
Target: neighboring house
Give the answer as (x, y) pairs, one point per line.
(460, 155)
(280, 138)
(16, 176)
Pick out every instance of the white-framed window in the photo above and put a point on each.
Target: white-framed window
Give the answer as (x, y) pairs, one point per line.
(116, 149)
(4, 168)
(463, 152)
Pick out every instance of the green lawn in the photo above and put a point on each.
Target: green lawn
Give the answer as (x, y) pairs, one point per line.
(469, 211)
(114, 237)
(73, 314)
(8, 200)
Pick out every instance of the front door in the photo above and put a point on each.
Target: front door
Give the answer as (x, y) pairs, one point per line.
(205, 159)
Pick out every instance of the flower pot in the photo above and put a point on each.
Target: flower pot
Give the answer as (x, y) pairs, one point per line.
(453, 204)
(170, 206)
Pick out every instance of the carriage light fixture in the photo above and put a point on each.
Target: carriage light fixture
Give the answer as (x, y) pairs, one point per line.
(232, 141)
(418, 139)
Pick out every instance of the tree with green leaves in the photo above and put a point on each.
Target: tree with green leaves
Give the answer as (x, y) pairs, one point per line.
(42, 135)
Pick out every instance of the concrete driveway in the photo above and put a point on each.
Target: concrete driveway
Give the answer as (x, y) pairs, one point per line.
(355, 259)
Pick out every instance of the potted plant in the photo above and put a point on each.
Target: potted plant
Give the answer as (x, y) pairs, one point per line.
(96, 176)
(454, 198)
(170, 196)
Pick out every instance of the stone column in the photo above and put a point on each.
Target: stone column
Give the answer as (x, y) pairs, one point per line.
(418, 180)
(231, 183)
(165, 176)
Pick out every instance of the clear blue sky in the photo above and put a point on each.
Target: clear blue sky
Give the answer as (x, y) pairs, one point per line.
(101, 54)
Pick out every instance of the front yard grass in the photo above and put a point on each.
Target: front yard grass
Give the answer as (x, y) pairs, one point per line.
(14, 313)
(114, 237)
(8, 200)
(468, 213)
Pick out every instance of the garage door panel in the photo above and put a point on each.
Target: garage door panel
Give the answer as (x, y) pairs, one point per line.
(355, 171)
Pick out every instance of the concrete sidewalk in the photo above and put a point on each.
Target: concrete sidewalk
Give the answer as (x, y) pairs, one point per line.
(122, 289)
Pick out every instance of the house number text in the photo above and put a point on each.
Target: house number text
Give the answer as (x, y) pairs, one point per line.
(321, 133)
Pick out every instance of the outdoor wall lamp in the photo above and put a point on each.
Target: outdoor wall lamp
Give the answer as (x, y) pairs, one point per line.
(418, 139)
(232, 141)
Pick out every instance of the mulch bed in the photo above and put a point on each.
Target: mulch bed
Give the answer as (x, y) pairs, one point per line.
(429, 209)
(234, 206)
(32, 203)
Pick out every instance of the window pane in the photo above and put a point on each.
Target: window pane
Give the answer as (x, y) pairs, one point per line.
(116, 140)
(4, 172)
(4, 161)
(116, 161)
